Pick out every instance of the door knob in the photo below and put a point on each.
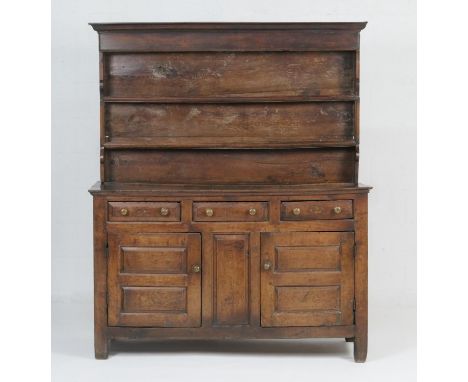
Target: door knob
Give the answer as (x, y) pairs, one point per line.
(267, 265)
(196, 268)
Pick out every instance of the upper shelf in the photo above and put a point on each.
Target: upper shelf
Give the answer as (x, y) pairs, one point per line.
(223, 143)
(231, 99)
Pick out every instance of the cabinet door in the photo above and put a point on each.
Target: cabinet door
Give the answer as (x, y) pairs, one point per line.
(307, 278)
(153, 280)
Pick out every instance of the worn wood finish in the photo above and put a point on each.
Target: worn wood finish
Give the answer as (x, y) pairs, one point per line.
(217, 74)
(101, 340)
(360, 280)
(315, 292)
(209, 125)
(231, 280)
(245, 167)
(230, 212)
(144, 211)
(154, 289)
(310, 210)
(227, 36)
(229, 205)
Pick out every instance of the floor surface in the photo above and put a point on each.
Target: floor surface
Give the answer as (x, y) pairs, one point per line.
(391, 357)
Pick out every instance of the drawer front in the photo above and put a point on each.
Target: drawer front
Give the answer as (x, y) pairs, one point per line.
(144, 211)
(230, 212)
(320, 209)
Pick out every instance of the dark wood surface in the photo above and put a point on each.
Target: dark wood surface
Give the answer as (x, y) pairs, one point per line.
(229, 203)
(326, 165)
(217, 74)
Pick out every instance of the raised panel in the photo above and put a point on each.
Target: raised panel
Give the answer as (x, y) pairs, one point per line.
(230, 74)
(231, 274)
(245, 166)
(306, 259)
(251, 125)
(154, 299)
(150, 281)
(302, 299)
(311, 281)
(154, 260)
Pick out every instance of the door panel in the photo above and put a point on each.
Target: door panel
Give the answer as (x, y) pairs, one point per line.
(231, 275)
(151, 282)
(309, 280)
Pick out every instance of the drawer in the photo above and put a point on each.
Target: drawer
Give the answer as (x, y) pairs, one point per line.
(230, 212)
(144, 211)
(318, 209)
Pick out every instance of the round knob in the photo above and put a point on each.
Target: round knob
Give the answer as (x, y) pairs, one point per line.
(196, 268)
(252, 212)
(296, 211)
(164, 211)
(124, 212)
(209, 212)
(267, 265)
(337, 210)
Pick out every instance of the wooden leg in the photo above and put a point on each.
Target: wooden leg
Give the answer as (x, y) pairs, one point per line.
(101, 348)
(360, 277)
(101, 342)
(360, 349)
(349, 339)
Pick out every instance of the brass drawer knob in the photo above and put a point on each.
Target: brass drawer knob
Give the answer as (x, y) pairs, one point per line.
(337, 210)
(124, 212)
(164, 211)
(252, 212)
(297, 211)
(209, 212)
(267, 265)
(196, 268)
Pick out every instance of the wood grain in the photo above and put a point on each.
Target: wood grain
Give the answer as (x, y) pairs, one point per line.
(231, 280)
(257, 123)
(144, 211)
(212, 137)
(228, 40)
(310, 210)
(218, 74)
(230, 211)
(304, 296)
(166, 298)
(245, 167)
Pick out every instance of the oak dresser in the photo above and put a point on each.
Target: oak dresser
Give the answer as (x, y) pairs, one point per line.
(229, 205)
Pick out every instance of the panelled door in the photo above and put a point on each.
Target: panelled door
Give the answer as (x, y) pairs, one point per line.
(154, 280)
(307, 278)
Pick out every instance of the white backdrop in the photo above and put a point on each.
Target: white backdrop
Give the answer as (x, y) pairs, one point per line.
(388, 126)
